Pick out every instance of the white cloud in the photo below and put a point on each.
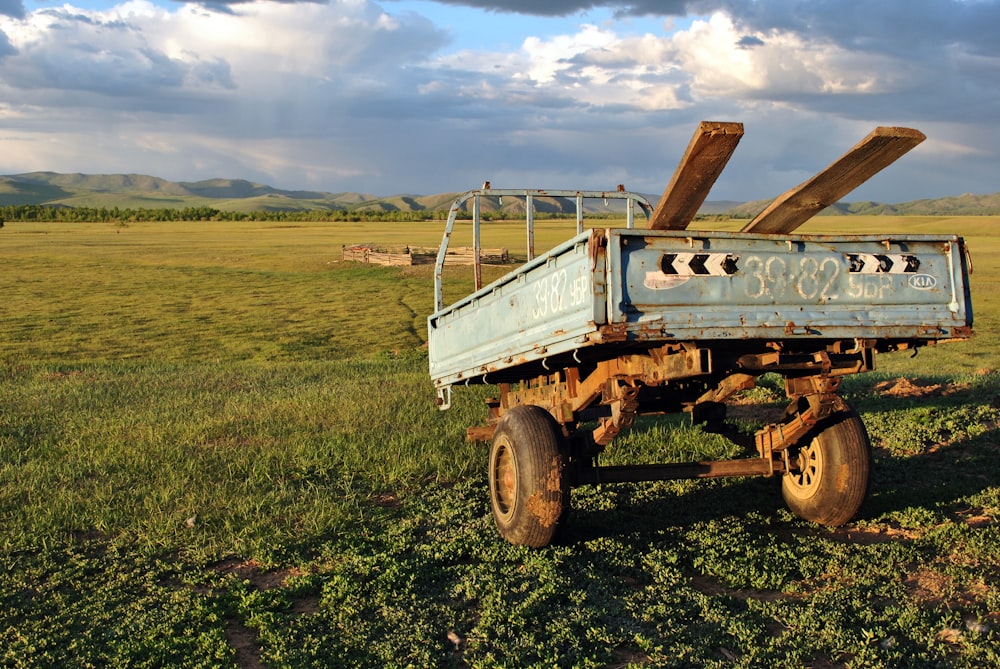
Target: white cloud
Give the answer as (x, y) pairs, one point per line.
(708, 61)
(112, 54)
(356, 95)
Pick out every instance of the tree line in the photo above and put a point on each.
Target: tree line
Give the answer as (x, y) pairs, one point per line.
(38, 212)
(41, 212)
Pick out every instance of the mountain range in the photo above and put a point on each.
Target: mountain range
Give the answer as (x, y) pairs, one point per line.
(137, 191)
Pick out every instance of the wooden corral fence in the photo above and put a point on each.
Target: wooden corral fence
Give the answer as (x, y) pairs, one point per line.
(416, 255)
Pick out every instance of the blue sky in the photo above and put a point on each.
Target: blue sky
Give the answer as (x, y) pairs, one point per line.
(429, 96)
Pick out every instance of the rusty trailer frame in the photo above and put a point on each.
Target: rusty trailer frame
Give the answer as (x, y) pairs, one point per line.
(617, 323)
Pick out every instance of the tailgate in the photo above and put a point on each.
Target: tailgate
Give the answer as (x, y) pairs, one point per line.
(677, 285)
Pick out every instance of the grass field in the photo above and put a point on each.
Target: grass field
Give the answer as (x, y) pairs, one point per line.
(219, 448)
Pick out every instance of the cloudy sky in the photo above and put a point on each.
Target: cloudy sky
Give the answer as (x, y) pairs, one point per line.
(406, 96)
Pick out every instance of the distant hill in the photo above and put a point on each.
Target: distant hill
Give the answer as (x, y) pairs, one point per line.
(143, 191)
(148, 192)
(959, 205)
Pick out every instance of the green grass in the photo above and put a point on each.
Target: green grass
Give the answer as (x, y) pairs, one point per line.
(218, 447)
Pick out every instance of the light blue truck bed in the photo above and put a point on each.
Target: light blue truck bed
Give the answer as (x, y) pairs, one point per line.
(605, 289)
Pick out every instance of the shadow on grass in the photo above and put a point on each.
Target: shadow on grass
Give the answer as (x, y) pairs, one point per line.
(933, 445)
(650, 509)
(939, 478)
(951, 452)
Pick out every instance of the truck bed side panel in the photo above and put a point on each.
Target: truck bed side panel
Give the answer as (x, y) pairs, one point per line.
(548, 306)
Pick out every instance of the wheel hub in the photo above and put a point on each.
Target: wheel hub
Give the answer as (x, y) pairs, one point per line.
(505, 480)
(809, 468)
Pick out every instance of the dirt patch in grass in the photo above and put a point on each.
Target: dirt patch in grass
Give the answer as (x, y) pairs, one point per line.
(975, 517)
(929, 586)
(710, 586)
(875, 534)
(244, 641)
(623, 657)
(251, 571)
(304, 606)
(903, 387)
(387, 500)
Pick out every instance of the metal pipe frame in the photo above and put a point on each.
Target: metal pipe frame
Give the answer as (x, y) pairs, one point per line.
(631, 200)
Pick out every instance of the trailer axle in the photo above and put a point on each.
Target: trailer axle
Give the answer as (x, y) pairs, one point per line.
(593, 475)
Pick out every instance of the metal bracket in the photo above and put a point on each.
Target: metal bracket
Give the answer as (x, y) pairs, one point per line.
(799, 421)
(624, 405)
(443, 398)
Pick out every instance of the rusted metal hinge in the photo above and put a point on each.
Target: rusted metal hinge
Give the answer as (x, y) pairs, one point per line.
(623, 410)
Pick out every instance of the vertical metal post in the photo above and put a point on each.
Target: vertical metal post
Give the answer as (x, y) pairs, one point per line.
(443, 253)
(629, 213)
(474, 195)
(579, 213)
(475, 241)
(529, 212)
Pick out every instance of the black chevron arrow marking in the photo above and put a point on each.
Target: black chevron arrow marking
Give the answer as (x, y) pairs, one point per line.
(882, 263)
(699, 264)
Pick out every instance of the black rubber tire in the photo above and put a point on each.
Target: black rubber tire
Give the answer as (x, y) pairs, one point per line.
(529, 491)
(834, 471)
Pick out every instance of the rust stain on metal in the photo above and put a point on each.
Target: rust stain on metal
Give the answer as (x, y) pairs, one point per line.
(594, 246)
(614, 332)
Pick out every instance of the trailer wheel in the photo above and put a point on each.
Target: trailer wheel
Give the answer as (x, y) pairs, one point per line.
(529, 491)
(832, 471)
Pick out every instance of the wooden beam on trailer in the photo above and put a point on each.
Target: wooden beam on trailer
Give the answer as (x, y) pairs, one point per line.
(882, 147)
(703, 161)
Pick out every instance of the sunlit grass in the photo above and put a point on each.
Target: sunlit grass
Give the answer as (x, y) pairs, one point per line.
(219, 445)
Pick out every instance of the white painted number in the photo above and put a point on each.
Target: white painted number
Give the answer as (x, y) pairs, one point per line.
(552, 291)
(772, 278)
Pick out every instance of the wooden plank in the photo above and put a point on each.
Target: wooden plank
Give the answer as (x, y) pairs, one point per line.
(703, 161)
(878, 150)
(391, 259)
